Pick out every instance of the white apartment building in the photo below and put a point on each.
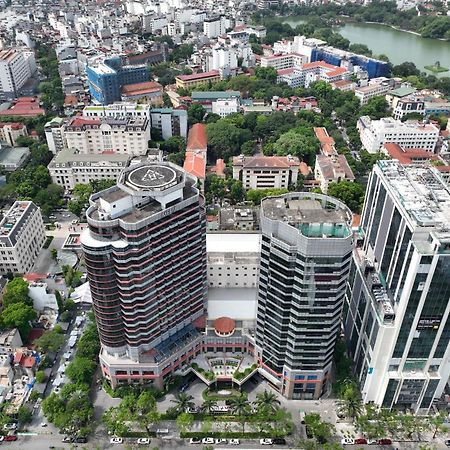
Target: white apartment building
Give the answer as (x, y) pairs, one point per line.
(234, 264)
(226, 106)
(128, 136)
(22, 234)
(263, 172)
(365, 93)
(54, 134)
(15, 71)
(288, 61)
(223, 57)
(10, 131)
(411, 134)
(214, 27)
(118, 109)
(70, 167)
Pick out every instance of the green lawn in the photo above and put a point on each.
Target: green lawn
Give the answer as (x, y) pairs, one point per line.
(436, 69)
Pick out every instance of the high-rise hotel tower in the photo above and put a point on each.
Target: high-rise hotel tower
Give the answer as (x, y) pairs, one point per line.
(145, 253)
(306, 252)
(398, 303)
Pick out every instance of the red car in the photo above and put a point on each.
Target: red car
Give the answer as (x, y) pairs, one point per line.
(384, 442)
(360, 441)
(11, 438)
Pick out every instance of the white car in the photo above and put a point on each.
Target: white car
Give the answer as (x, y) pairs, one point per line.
(208, 441)
(234, 442)
(143, 441)
(347, 441)
(195, 441)
(266, 441)
(43, 424)
(116, 440)
(221, 441)
(2, 438)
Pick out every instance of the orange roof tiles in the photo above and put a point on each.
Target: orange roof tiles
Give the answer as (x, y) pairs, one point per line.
(199, 76)
(146, 87)
(24, 107)
(407, 156)
(195, 164)
(197, 139)
(224, 325)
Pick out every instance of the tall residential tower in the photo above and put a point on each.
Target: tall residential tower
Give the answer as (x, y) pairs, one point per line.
(145, 253)
(306, 251)
(398, 309)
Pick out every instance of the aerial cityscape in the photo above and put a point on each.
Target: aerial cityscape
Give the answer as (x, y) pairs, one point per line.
(225, 224)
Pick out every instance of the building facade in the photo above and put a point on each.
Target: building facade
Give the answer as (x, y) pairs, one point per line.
(16, 68)
(123, 135)
(10, 131)
(70, 167)
(305, 260)
(54, 134)
(145, 253)
(263, 172)
(411, 134)
(398, 309)
(22, 234)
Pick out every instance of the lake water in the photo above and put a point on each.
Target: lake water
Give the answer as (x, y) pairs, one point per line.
(399, 46)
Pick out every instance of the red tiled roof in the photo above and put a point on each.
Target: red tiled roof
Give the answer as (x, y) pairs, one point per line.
(224, 325)
(285, 71)
(407, 156)
(146, 87)
(304, 169)
(197, 139)
(195, 164)
(30, 277)
(13, 125)
(220, 167)
(336, 72)
(443, 168)
(280, 162)
(70, 100)
(316, 64)
(199, 76)
(79, 121)
(24, 107)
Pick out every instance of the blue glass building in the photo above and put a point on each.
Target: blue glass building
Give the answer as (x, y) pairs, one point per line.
(107, 78)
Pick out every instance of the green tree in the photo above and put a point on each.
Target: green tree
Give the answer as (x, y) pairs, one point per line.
(173, 145)
(208, 405)
(405, 69)
(54, 253)
(40, 376)
(352, 194)
(223, 139)
(350, 402)
(237, 191)
(321, 431)
(114, 420)
(81, 370)
(51, 340)
(293, 143)
(196, 113)
(266, 73)
(183, 402)
(240, 406)
(17, 292)
(256, 195)
(267, 401)
(147, 412)
(18, 315)
(184, 422)
(437, 423)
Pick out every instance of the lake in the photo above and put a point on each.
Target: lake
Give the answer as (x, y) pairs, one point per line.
(399, 46)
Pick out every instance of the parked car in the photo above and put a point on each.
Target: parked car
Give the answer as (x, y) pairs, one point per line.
(279, 441)
(372, 442)
(447, 442)
(143, 441)
(43, 424)
(67, 439)
(360, 441)
(10, 438)
(384, 441)
(347, 441)
(2, 438)
(195, 440)
(116, 440)
(208, 440)
(266, 441)
(221, 441)
(234, 441)
(80, 440)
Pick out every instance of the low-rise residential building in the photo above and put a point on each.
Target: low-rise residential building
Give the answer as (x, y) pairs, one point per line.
(408, 105)
(243, 219)
(287, 61)
(263, 172)
(208, 98)
(124, 135)
(70, 167)
(10, 131)
(22, 235)
(149, 91)
(225, 107)
(326, 141)
(10, 340)
(365, 93)
(13, 158)
(54, 134)
(189, 81)
(411, 134)
(332, 169)
(169, 121)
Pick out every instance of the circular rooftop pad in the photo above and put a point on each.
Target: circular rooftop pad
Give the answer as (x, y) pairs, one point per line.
(224, 326)
(152, 176)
